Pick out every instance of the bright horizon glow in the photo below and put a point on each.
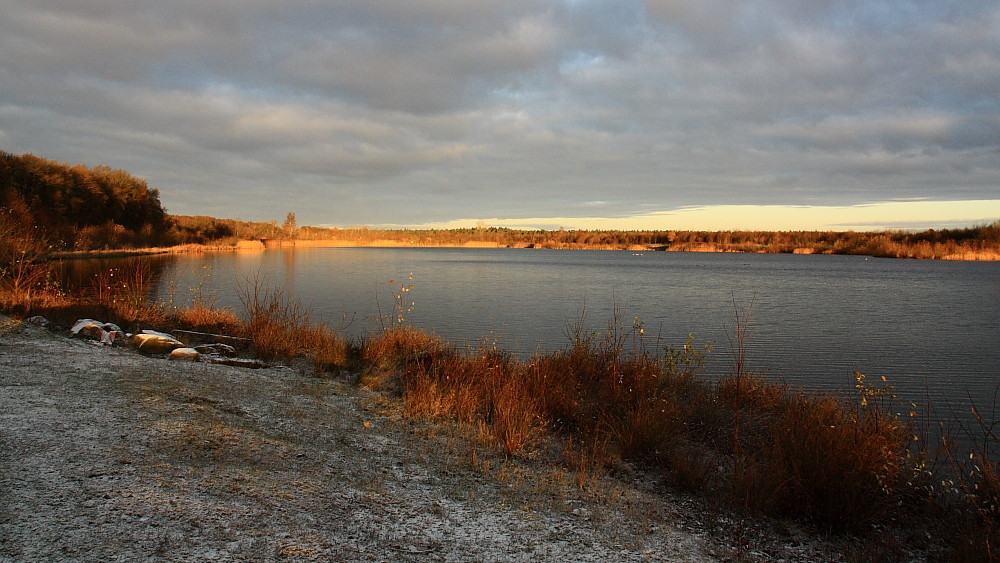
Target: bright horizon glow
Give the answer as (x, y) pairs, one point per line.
(887, 215)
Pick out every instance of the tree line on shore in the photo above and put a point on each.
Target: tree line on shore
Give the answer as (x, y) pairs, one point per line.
(76, 207)
(982, 242)
(66, 208)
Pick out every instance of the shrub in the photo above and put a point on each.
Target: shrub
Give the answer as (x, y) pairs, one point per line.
(977, 482)
(281, 327)
(25, 272)
(125, 293)
(394, 348)
(327, 350)
(210, 319)
(274, 319)
(814, 457)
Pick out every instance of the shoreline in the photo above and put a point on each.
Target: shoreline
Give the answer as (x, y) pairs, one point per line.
(150, 251)
(200, 461)
(261, 245)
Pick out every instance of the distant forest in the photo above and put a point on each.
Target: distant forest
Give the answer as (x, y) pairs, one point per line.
(68, 208)
(980, 242)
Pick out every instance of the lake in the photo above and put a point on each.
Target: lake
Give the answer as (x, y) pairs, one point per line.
(932, 328)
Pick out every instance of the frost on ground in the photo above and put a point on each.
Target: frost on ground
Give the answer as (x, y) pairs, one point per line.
(107, 455)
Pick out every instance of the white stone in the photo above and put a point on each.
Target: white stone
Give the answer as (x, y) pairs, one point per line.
(152, 342)
(185, 354)
(88, 328)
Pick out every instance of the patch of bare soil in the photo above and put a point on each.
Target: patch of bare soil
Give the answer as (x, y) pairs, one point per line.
(107, 455)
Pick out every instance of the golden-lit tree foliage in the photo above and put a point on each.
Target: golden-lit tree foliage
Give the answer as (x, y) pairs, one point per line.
(81, 208)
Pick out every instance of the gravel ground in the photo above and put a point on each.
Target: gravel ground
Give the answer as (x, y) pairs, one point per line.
(107, 455)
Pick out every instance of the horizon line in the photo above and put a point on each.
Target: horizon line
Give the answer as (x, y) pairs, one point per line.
(914, 215)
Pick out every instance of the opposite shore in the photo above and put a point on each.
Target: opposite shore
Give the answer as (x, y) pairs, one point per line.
(958, 253)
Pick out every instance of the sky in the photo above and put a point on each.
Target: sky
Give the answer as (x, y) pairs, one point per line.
(656, 114)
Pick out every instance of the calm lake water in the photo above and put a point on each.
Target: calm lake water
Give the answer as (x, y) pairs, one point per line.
(931, 328)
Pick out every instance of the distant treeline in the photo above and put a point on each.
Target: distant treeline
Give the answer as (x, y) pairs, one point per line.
(80, 208)
(979, 242)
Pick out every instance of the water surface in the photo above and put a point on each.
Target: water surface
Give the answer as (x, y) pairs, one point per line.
(930, 327)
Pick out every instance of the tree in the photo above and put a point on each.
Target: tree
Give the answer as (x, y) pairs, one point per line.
(290, 228)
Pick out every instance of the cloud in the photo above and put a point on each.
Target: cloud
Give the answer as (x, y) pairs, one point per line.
(410, 111)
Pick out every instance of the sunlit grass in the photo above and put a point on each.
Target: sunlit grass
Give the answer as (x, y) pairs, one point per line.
(768, 448)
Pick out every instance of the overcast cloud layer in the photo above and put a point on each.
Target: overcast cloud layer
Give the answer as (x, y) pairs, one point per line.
(410, 112)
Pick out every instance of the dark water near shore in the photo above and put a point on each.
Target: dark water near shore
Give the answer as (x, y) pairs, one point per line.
(931, 328)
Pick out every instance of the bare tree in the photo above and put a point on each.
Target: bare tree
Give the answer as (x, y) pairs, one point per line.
(290, 228)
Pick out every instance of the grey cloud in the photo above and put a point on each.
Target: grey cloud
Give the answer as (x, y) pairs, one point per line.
(893, 134)
(509, 108)
(423, 71)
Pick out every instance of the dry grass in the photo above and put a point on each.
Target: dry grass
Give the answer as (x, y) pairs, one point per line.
(328, 351)
(817, 458)
(274, 319)
(203, 318)
(770, 449)
(387, 355)
(282, 328)
(26, 304)
(977, 482)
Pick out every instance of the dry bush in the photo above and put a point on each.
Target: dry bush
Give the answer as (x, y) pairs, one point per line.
(515, 416)
(25, 272)
(693, 467)
(328, 350)
(487, 388)
(445, 386)
(586, 457)
(281, 327)
(210, 319)
(633, 400)
(813, 457)
(554, 381)
(36, 302)
(752, 393)
(773, 450)
(275, 320)
(840, 466)
(648, 430)
(125, 293)
(431, 398)
(977, 483)
(394, 348)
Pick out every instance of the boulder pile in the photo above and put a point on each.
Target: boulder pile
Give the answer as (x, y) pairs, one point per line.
(105, 333)
(182, 345)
